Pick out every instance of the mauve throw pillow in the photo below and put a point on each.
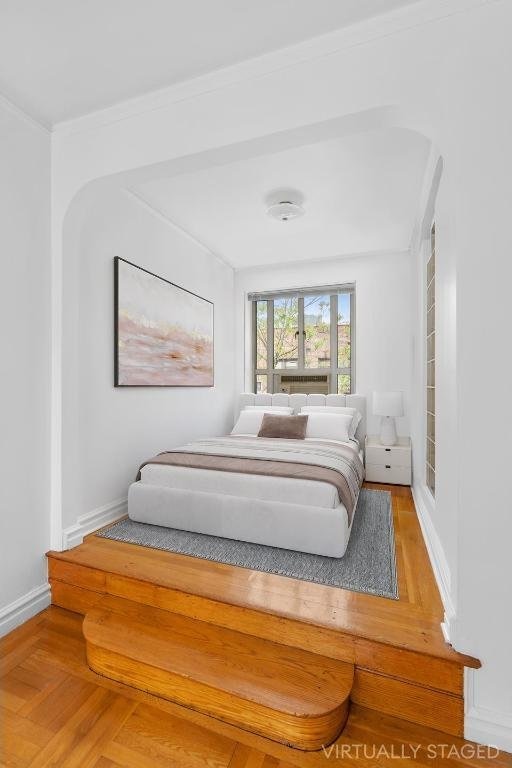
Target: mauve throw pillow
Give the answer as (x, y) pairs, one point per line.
(286, 427)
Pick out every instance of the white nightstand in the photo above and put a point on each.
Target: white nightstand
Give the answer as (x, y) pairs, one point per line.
(385, 464)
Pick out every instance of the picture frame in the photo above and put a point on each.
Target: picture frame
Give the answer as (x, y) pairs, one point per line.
(163, 333)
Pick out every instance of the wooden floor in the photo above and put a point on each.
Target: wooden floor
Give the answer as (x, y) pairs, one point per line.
(412, 622)
(55, 712)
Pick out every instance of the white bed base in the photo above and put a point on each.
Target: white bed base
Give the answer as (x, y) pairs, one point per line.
(312, 529)
(317, 530)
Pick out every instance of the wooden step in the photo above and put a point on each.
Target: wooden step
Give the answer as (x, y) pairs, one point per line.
(286, 694)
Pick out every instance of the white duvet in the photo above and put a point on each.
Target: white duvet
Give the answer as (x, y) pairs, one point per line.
(263, 487)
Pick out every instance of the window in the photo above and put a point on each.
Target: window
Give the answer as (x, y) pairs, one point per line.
(430, 303)
(304, 340)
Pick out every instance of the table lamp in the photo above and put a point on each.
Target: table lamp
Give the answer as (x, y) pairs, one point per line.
(388, 405)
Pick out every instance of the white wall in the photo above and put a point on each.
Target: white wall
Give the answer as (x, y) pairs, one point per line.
(107, 431)
(24, 364)
(483, 242)
(445, 64)
(383, 353)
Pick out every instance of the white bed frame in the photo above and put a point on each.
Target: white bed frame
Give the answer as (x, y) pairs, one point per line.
(316, 530)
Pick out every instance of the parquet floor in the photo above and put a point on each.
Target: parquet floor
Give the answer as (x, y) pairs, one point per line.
(56, 712)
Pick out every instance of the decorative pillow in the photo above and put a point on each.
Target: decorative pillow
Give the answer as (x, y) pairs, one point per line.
(330, 426)
(270, 408)
(356, 416)
(285, 427)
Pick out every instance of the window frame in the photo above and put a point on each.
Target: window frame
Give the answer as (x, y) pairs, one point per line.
(332, 371)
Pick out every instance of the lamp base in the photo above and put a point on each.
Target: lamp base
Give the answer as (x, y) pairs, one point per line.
(388, 430)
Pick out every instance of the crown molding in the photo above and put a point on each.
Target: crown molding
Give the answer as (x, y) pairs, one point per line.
(400, 19)
(155, 211)
(15, 110)
(297, 263)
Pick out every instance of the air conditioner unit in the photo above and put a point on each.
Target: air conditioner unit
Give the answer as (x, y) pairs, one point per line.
(303, 384)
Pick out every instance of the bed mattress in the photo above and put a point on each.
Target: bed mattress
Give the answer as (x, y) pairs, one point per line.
(291, 490)
(284, 489)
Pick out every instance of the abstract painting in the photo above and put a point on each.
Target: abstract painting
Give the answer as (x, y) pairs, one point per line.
(163, 333)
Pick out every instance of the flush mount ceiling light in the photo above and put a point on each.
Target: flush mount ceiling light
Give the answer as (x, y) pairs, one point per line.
(285, 210)
(284, 205)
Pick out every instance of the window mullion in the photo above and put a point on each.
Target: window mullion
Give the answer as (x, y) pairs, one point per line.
(333, 342)
(352, 341)
(270, 345)
(301, 336)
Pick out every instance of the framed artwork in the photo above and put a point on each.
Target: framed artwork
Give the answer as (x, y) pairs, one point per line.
(163, 334)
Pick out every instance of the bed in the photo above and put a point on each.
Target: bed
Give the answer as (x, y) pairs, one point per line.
(298, 495)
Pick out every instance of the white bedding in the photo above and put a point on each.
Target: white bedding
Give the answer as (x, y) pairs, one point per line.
(292, 513)
(265, 488)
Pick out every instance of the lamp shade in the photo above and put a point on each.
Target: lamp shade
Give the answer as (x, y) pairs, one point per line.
(388, 404)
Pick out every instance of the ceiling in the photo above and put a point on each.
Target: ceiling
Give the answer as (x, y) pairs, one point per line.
(360, 193)
(63, 58)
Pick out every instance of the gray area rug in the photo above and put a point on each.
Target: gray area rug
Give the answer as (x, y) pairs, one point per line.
(367, 566)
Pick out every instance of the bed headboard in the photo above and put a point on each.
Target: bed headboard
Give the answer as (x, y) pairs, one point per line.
(296, 402)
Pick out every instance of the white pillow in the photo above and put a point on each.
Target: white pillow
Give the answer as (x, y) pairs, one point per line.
(329, 426)
(356, 416)
(249, 422)
(283, 409)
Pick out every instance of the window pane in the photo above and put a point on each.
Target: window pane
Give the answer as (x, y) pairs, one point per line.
(261, 334)
(344, 330)
(343, 384)
(431, 374)
(261, 382)
(431, 480)
(286, 332)
(431, 426)
(431, 400)
(431, 453)
(431, 294)
(431, 319)
(431, 347)
(317, 327)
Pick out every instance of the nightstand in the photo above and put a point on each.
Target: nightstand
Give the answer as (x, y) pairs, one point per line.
(388, 464)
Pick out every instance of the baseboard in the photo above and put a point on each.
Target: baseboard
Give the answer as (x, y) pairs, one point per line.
(438, 562)
(16, 613)
(97, 518)
(485, 726)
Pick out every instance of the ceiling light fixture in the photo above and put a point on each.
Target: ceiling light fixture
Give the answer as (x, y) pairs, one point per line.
(284, 204)
(285, 210)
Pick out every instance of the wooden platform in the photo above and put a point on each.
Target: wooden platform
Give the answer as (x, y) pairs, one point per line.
(402, 666)
(54, 711)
